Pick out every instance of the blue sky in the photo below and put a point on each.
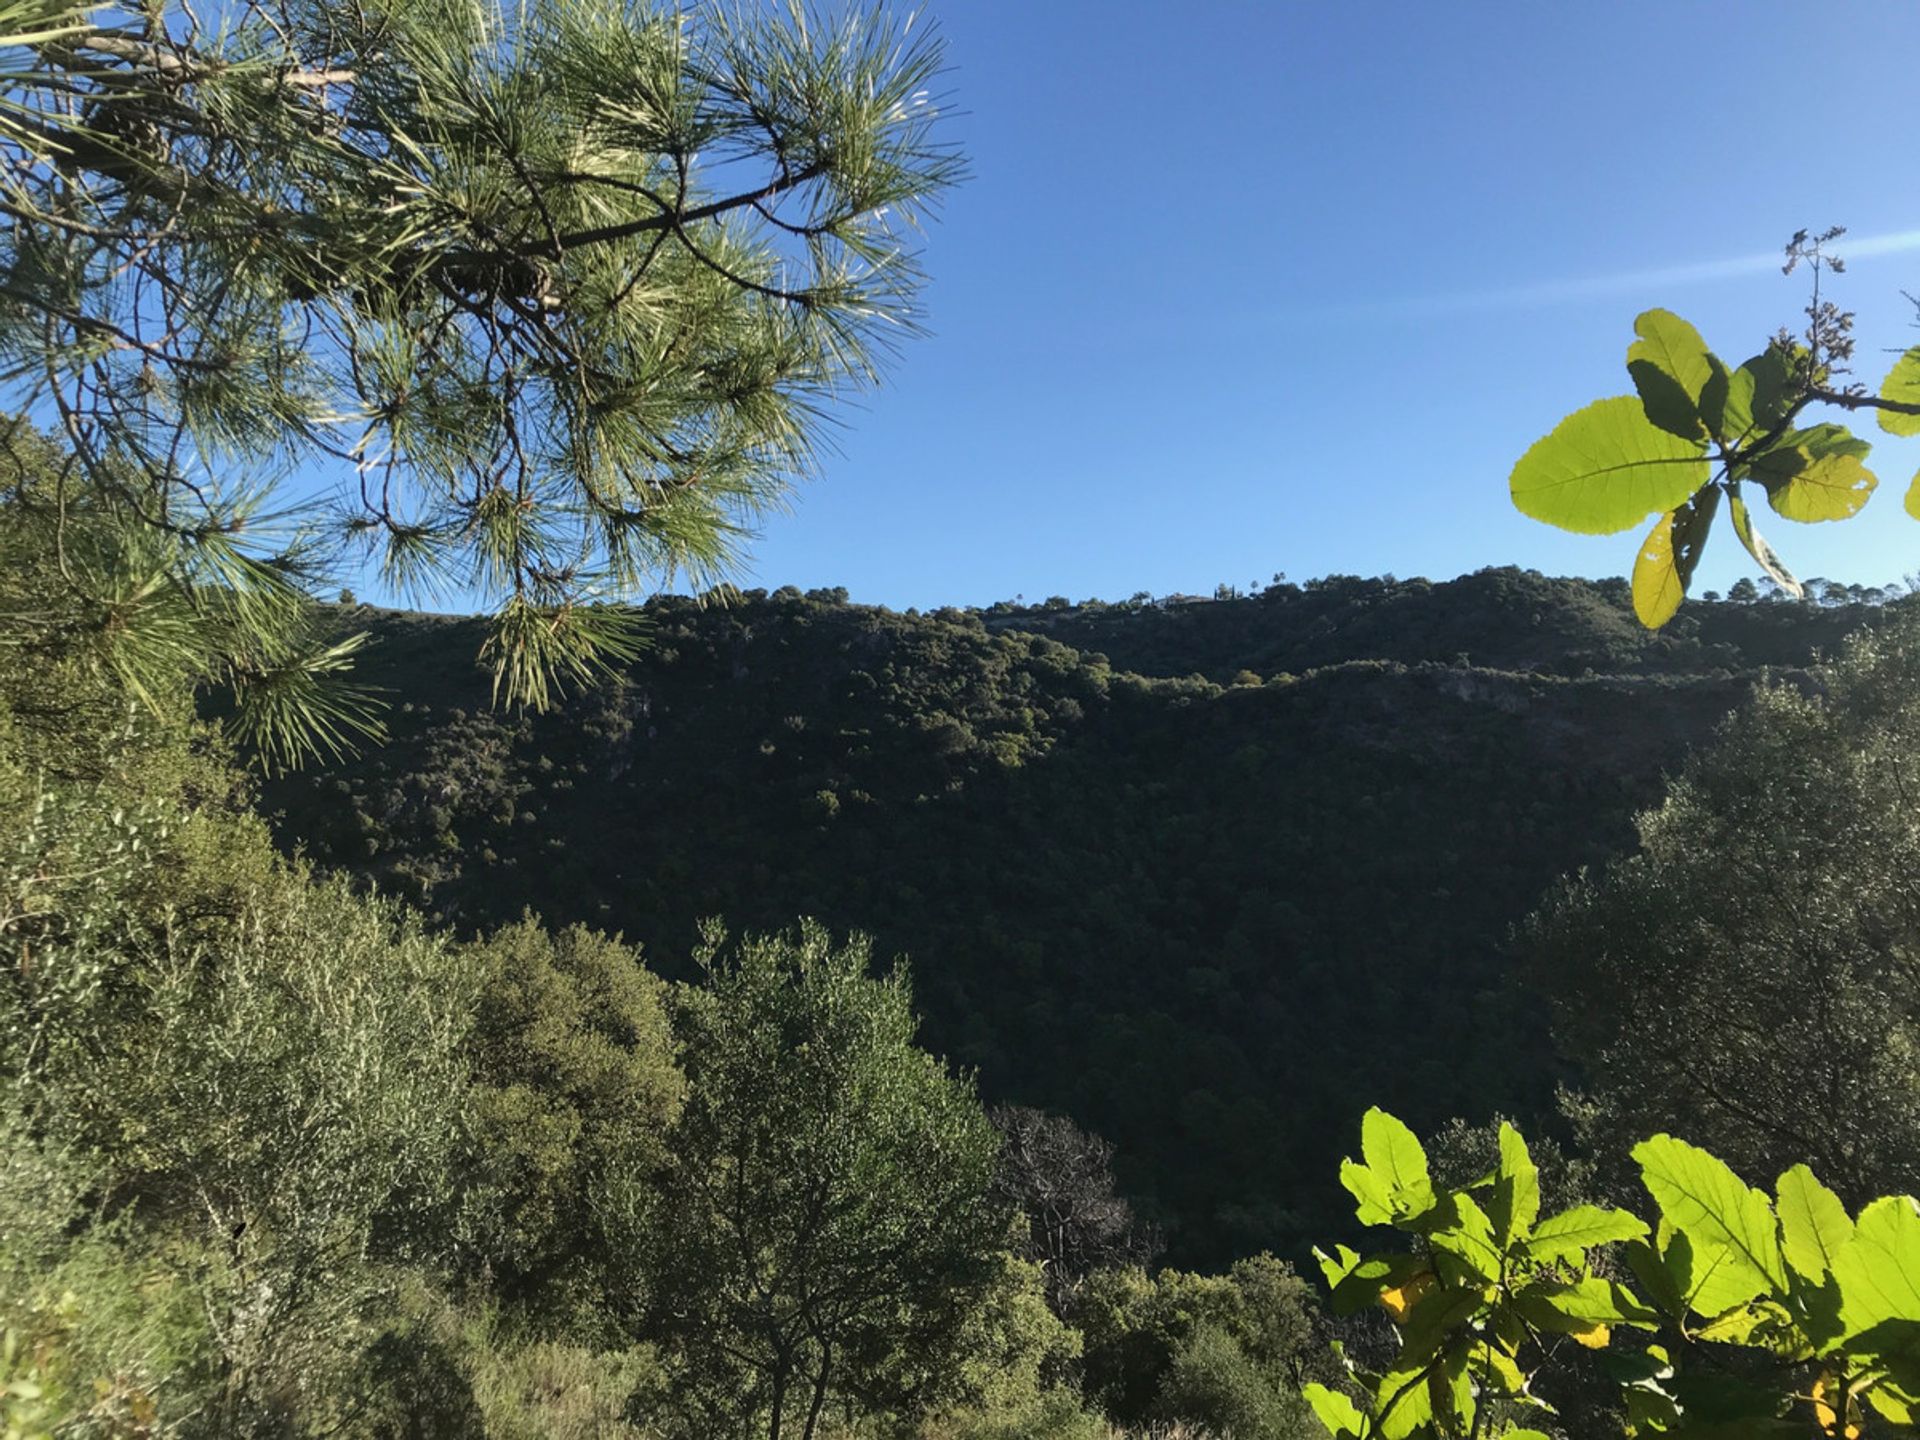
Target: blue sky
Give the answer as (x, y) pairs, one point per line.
(1240, 288)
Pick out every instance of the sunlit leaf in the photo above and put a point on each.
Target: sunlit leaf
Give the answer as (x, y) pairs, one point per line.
(1571, 1233)
(1336, 1411)
(1339, 1265)
(1735, 1326)
(1392, 1185)
(1752, 398)
(1736, 1245)
(1498, 1369)
(1813, 1223)
(1394, 1151)
(1372, 1203)
(1515, 1201)
(1469, 1241)
(1404, 1404)
(1606, 468)
(1879, 1270)
(1567, 1308)
(1816, 474)
(1667, 559)
(1893, 1403)
(1902, 386)
(1764, 555)
(1671, 366)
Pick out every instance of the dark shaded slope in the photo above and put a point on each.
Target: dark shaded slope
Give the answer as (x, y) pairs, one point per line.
(1212, 923)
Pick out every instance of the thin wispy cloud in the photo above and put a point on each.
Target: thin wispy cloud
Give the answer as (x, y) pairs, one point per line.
(1619, 283)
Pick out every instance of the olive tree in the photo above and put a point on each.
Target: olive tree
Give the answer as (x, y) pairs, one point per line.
(828, 1228)
(1750, 979)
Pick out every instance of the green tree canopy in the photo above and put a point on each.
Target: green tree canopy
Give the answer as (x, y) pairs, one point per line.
(577, 1088)
(828, 1227)
(1751, 978)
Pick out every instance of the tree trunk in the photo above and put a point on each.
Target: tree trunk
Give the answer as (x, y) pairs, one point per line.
(819, 1392)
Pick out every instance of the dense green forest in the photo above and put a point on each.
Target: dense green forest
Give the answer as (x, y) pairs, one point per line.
(1168, 904)
(766, 1017)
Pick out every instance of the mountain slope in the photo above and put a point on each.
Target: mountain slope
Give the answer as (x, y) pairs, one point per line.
(1213, 922)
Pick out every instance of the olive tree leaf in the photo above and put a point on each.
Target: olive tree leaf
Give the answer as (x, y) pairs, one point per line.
(1668, 556)
(1736, 1242)
(1816, 474)
(1902, 386)
(1671, 367)
(1605, 468)
(1764, 555)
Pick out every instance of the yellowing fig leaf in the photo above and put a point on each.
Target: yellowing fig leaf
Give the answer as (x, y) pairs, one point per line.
(1606, 468)
(1823, 1410)
(1830, 1404)
(1399, 1300)
(1595, 1337)
(1668, 557)
(1816, 474)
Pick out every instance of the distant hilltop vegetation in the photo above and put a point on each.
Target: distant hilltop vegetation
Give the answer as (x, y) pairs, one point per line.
(1160, 866)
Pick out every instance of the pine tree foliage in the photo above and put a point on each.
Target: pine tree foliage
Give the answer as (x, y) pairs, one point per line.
(100, 603)
(550, 300)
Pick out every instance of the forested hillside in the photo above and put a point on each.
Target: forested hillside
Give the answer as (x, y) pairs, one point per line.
(1174, 908)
